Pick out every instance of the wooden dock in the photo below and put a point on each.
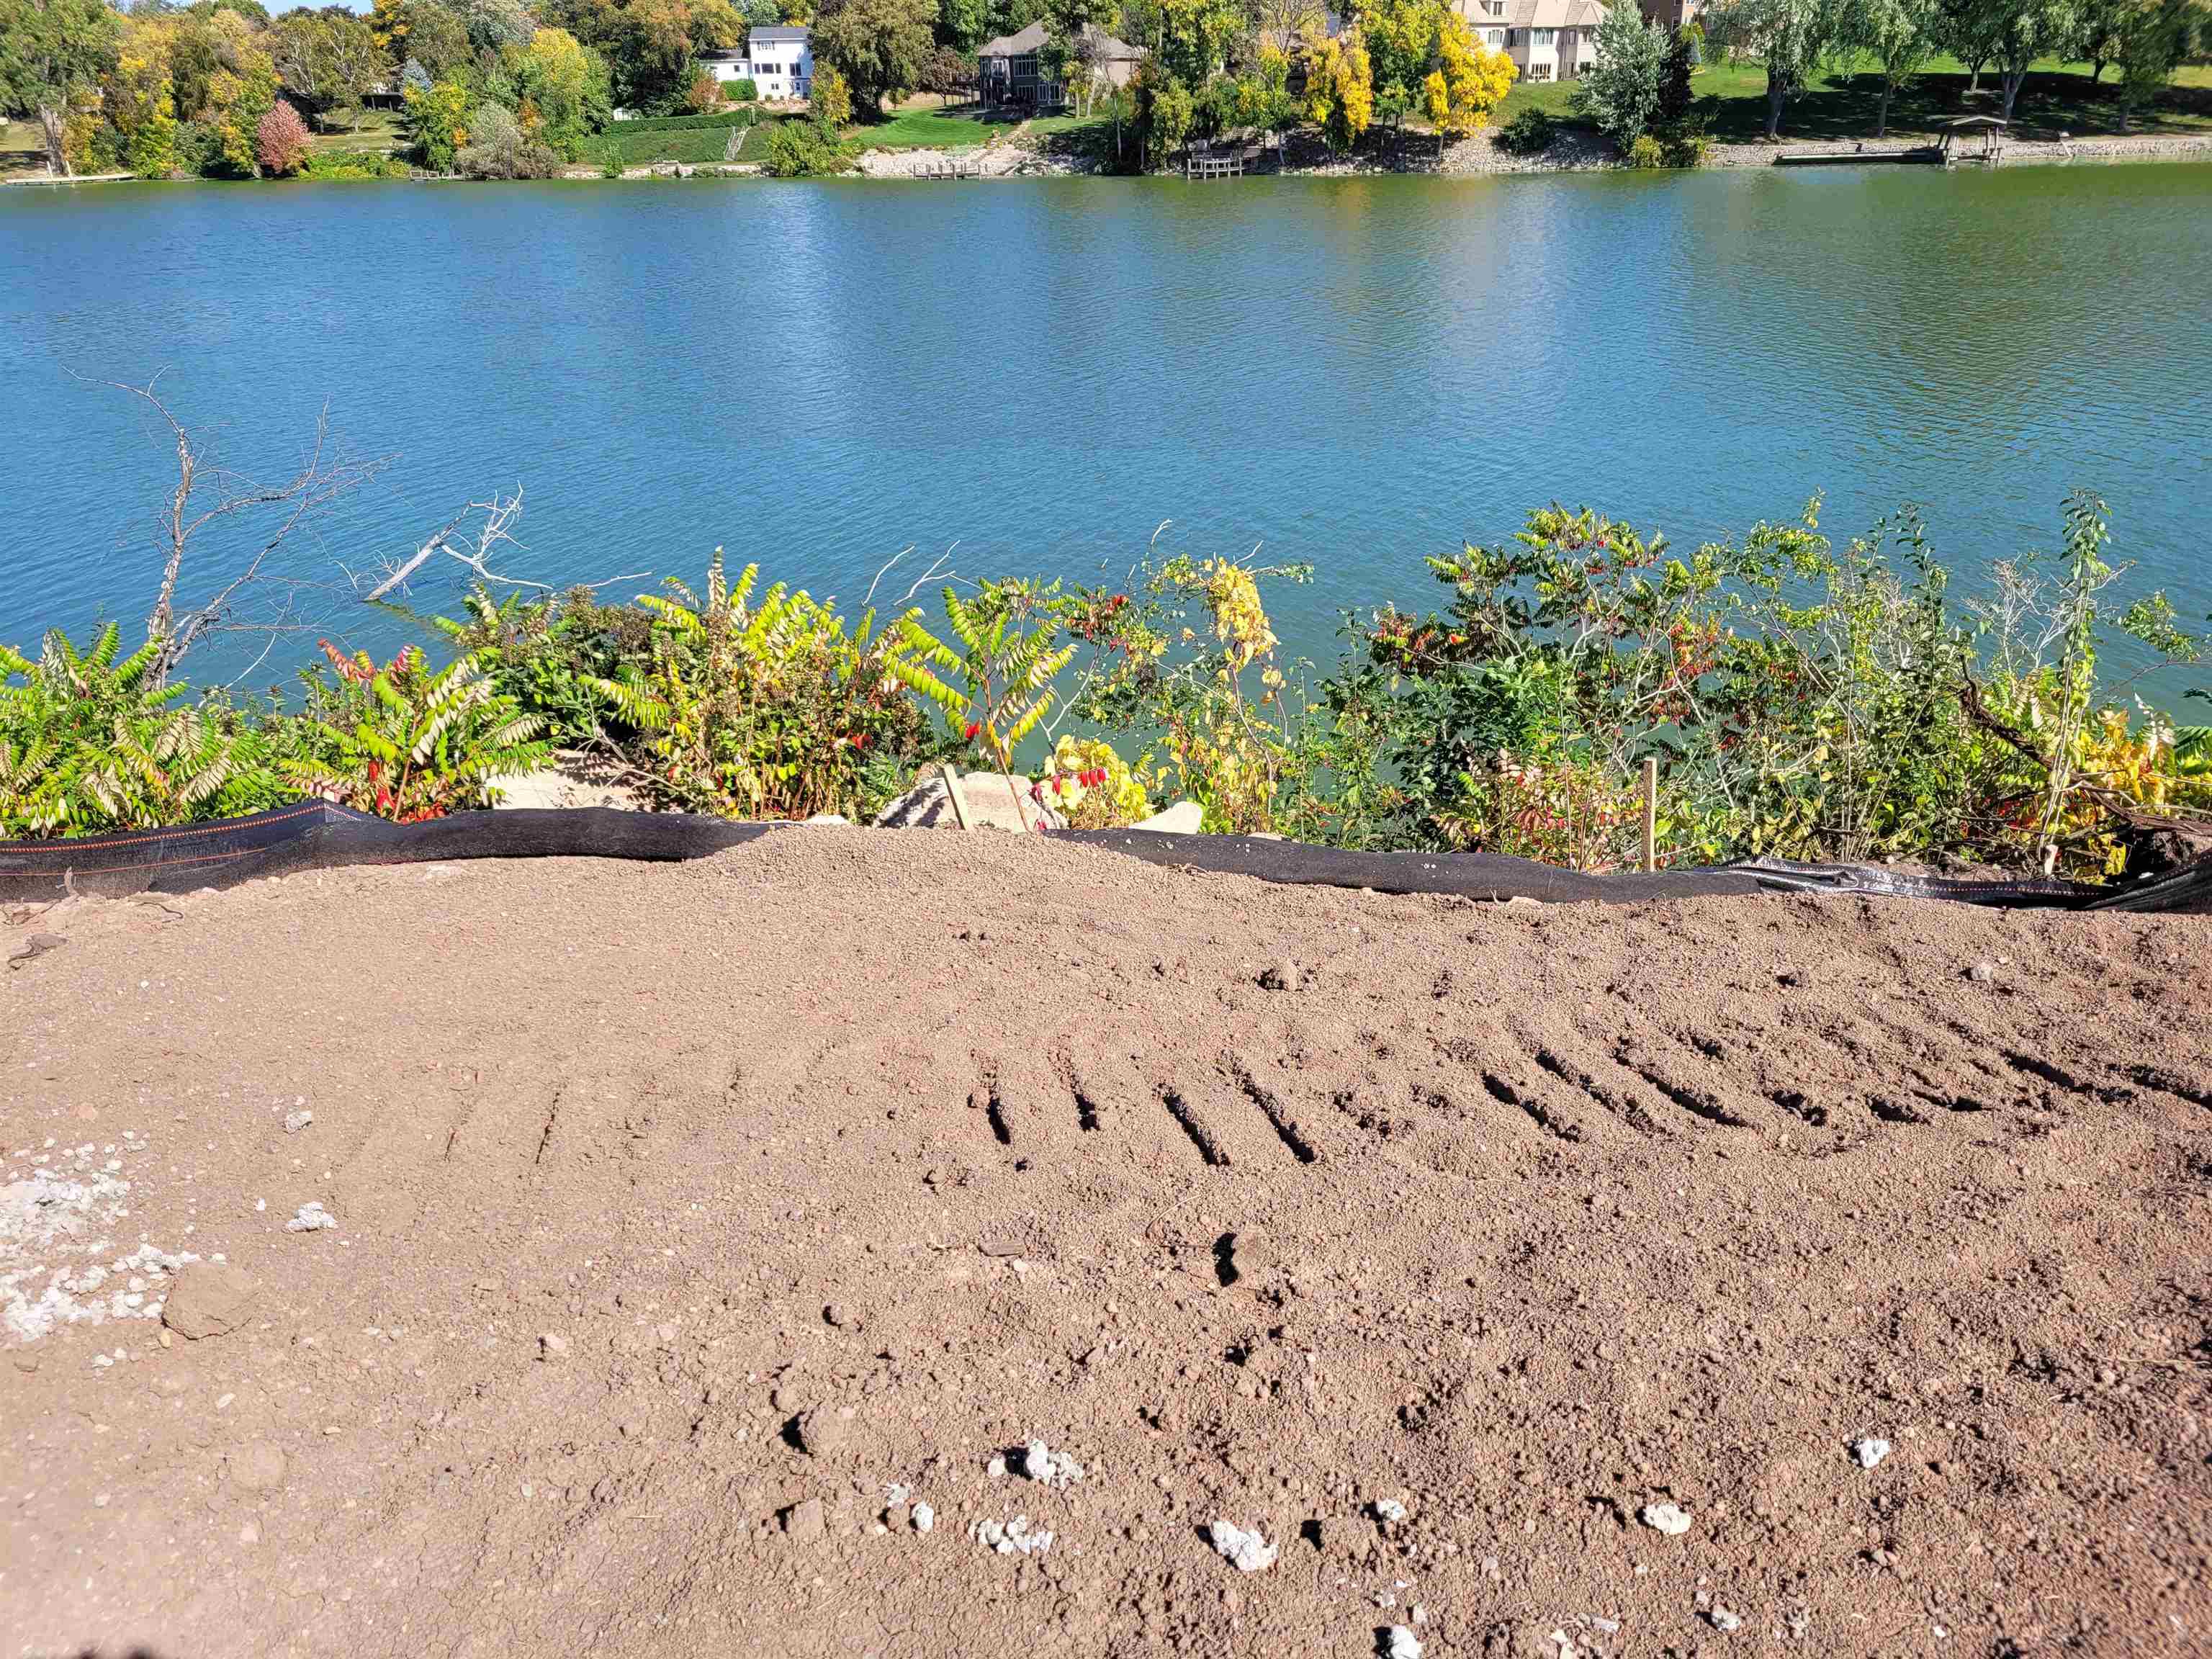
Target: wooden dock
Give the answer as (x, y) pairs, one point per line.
(954, 168)
(1203, 164)
(1921, 155)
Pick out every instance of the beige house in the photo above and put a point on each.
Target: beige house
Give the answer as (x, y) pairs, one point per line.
(1546, 40)
(1008, 72)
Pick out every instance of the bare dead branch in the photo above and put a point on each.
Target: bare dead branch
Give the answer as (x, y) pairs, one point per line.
(206, 495)
(491, 533)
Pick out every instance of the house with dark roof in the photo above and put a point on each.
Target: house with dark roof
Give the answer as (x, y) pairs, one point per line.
(1008, 72)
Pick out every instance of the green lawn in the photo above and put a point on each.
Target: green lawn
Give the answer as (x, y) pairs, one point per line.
(693, 146)
(1842, 104)
(381, 134)
(21, 149)
(959, 128)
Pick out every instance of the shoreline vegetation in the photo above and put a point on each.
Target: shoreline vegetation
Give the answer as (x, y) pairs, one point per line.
(489, 89)
(1801, 696)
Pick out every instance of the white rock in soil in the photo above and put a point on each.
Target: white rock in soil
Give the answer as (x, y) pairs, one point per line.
(313, 1219)
(1389, 1508)
(1013, 1537)
(1398, 1643)
(924, 1518)
(1667, 1518)
(1247, 1551)
(295, 1122)
(1870, 1451)
(1725, 1620)
(1041, 1462)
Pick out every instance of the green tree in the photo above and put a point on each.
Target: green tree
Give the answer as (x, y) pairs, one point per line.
(437, 122)
(1621, 91)
(880, 46)
(438, 39)
(2153, 39)
(1792, 38)
(568, 85)
(1165, 110)
(495, 23)
(53, 55)
(1898, 36)
(1198, 38)
(238, 94)
(1399, 38)
(2098, 38)
(153, 150)
(1673, 117)
(962, 23)
(1968, 33)
(831, 104)
(2025, 31)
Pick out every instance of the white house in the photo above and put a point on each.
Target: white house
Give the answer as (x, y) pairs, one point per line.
(1546, 40)
(779, 62)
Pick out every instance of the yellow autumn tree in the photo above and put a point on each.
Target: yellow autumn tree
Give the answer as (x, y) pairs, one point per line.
(1341, 89)
(388, 25)
(1468, 82)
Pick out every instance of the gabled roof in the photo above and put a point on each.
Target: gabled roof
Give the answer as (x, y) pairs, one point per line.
(1032, 38)
(1533, 13)
(780, 32)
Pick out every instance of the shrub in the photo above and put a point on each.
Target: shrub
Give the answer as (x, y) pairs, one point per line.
(1009, 654)
(1529, 133)
(351, 164)
(545, 654)
(280, 140)
(744, 90)
(800, 149)
(774, 709)
(404, 742)
(1644, 151)
(199, 148)
(1685, 148)
(1090, 786)
(499, 149)
(88, 745)
(1190, 663)
(705, 95)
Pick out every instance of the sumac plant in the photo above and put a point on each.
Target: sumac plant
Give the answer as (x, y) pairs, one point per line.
(89, 744)
(764, 706)
(405, 741)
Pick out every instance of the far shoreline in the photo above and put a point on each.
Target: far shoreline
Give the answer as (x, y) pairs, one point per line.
(1477, 157)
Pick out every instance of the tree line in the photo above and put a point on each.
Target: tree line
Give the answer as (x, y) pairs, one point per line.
(2147, 40)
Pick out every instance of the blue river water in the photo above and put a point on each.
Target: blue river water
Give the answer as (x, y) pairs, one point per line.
(1350, 372)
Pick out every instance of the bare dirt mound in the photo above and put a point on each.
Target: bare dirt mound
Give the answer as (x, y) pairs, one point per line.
(694, 1227)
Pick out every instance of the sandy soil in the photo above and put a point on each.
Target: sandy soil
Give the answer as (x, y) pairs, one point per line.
(695, 1224)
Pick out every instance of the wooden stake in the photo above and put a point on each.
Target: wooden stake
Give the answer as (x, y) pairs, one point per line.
(1650, 814)
(952, 793)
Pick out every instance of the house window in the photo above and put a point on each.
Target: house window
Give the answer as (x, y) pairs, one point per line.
(1539, 72)
(1494, 36)
(1544, 37)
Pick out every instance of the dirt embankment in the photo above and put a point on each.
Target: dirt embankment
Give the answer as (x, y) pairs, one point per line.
(694, 1227)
